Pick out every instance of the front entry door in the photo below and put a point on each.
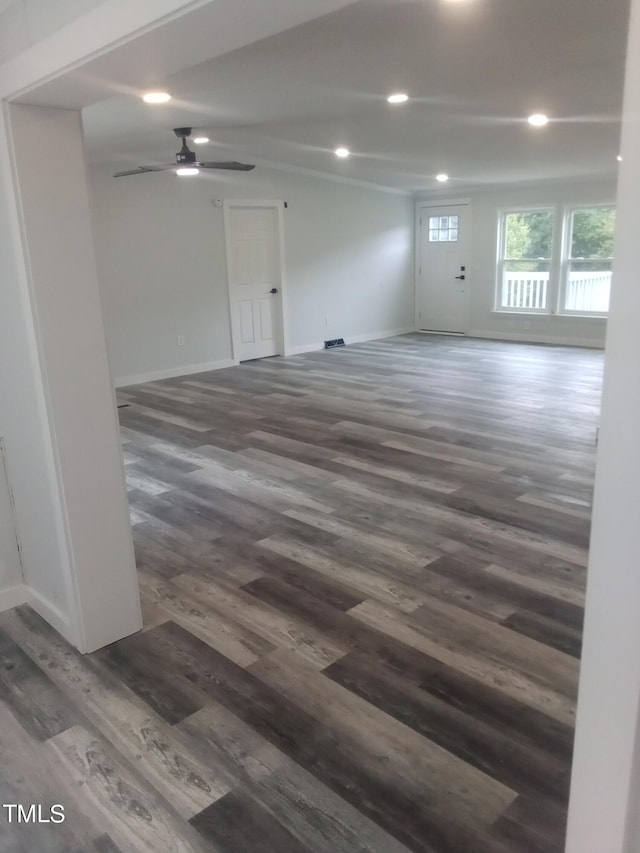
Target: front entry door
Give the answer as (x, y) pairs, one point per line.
(443, 280)
(255, 280)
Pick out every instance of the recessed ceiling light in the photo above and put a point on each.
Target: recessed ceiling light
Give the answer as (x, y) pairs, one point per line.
(342, 152)
(184, 171)
(619, 159)
(442, 177)
(156, 97)
(398, 98)
(200, 140)
(538, 120)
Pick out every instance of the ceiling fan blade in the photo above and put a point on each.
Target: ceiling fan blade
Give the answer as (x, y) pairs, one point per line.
(141, 169)
(232, 166)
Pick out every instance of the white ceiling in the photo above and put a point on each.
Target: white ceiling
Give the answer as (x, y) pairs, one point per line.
(474, 70)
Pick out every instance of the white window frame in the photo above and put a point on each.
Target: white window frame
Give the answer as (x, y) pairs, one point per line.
(501, 260)
(565, 260)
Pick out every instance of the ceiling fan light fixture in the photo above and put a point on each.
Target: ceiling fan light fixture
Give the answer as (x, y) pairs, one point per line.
(538, 120)
(398, 98)
(342, 152)
(201, 140)
(185, 171)
(156, 97)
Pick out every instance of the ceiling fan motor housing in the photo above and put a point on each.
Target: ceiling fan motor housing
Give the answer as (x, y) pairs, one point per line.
(185, 155)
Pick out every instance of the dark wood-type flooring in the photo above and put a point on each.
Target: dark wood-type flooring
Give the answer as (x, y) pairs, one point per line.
(362, 575)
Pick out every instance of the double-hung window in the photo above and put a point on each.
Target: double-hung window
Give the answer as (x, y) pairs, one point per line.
(538, 274)
(525, 260)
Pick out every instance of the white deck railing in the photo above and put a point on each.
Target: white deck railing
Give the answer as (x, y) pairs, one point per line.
(525, 289)
(588, 291)
(585, 291)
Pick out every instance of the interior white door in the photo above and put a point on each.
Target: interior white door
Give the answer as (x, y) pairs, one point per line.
(443, 281)
(255, 285)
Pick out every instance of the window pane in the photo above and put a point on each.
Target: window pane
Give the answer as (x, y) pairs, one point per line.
(444, 222)
(529, 235)
(453, 222)
(433, 235)
(525, 285)
(592, 233)
(588, 281)
(587, 288)
(433, 222)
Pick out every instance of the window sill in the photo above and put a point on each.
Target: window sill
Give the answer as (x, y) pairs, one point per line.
(579, 316)
(518, 312)
(506, 312)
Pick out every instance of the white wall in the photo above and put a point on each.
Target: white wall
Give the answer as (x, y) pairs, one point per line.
(11, 580)
(606, 773)
(84, 577)
(162, 265)
(25, 22)
(23, 420)
(486, 207)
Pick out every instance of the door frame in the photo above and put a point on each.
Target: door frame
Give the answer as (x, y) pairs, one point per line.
(423, 205)
(228, 205)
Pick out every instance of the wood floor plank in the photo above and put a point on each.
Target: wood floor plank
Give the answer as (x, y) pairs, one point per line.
(136, 818)
(153, 747)
(317, 815)
(394, 764)
(363, 578)
(490, 748)
(237, 823)
(184, 600)
(276, 629)
(28, 774)
(509, 680)
(32, 697)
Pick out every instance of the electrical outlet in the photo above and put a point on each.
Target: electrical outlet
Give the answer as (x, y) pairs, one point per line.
(180, 340)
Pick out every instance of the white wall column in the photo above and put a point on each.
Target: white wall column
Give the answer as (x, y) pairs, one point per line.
(83, 568)
(605, 768)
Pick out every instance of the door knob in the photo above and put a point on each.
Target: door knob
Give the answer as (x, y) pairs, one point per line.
(273, 290)
(461, 277)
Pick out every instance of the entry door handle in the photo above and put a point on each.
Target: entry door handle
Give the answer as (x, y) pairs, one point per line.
(273, 290)
(461, 277)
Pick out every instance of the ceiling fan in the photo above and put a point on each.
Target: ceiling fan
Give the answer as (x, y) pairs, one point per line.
(186, 162)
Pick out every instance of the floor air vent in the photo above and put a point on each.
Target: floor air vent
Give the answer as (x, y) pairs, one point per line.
(336, 342)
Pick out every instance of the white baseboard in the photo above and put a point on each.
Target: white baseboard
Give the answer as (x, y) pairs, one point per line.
(50, 614)
(13, 597)
(376, 336)
(304, 348)
(23, 594)
(172, 372)
(532, 338)
(352, 339)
